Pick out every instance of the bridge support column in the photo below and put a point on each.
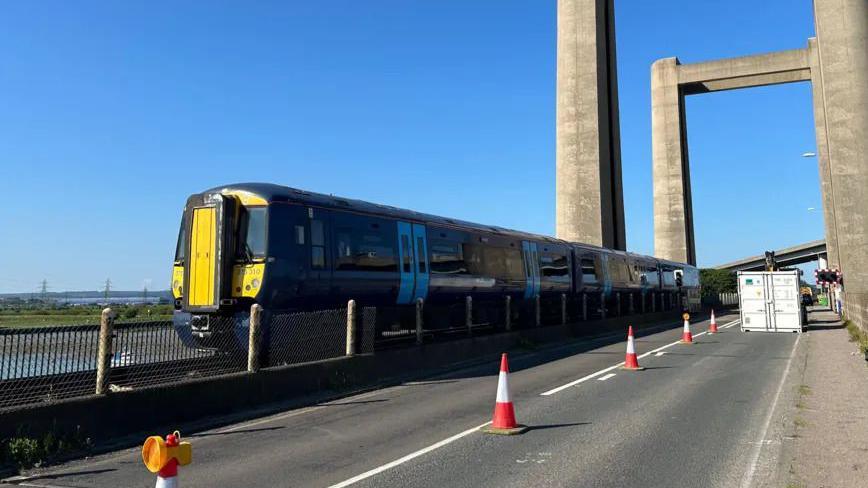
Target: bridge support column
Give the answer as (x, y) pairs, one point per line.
(842, 55)
(673, 211)
(590, 202)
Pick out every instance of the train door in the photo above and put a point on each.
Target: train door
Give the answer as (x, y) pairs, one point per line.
(319, 273)
(203, 247)
(208, 270)
(531, 269)
(412, 262)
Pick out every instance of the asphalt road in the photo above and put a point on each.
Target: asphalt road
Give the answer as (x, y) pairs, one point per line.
(696, 416)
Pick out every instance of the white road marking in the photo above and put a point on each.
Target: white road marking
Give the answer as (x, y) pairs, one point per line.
(660, 353)
(731, 324)
(747, 480)
(22, 481)
(432, 447)
(615, 366)
(399, 461)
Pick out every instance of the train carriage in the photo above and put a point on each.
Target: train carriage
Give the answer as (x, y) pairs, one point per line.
(292, 250)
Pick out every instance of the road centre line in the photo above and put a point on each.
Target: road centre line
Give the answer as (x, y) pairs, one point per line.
(604, 378)
(449, 440)
(408, 457)
(313, 408)
(615, 366)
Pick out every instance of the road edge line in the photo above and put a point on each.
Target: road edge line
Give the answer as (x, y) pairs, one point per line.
(747, 479)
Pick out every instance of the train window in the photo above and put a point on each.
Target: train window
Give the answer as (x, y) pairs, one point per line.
(181, 248)
(362, 247)
(499, 262)
(317, 236)
(447, 258)
(589, 270)
(317, 244)
(420, 255)
(514, 264)
(554, 266)
(252, 229)
(473, 259)
(299, 234)
(405, 251)
(317, 257)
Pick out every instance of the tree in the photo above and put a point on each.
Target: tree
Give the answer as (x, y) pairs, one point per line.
(716, 281)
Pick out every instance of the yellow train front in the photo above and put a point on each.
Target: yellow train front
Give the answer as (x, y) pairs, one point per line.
(219, 266)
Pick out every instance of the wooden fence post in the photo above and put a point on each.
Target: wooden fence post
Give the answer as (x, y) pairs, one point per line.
(508, 306)
(420, 303)
(253, 338)
(104, 350)
(351, 328)
(468, 314)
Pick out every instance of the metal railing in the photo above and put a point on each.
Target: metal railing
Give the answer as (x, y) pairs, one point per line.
(44, 364)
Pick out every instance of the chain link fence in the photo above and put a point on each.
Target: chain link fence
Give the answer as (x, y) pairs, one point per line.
(44, 364)
(314, 336)
(158, 353)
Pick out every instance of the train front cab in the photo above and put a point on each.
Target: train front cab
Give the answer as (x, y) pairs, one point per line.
(219, 267)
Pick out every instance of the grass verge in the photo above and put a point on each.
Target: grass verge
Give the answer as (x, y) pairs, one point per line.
(857, 335)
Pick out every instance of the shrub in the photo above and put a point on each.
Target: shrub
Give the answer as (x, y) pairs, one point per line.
(24, 451)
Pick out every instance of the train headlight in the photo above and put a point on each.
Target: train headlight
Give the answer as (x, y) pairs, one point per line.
(255, 283)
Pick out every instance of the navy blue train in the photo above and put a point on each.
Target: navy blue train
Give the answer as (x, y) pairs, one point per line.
(292, 250)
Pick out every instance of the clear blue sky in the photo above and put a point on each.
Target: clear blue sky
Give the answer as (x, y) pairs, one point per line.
(111, 113)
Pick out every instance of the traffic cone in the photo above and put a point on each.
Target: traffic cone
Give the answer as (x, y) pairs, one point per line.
(168, 476)
(631, 362)
(712, 329)
(164, 457)
(503, 421)
(686, 336)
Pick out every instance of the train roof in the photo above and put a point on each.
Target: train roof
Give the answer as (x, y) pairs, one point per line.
(279, 193)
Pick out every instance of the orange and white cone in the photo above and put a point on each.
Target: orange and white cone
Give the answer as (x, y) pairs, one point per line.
(503, 421)
(631, 362)
(686, 336)
(712, 328)
(168, 476)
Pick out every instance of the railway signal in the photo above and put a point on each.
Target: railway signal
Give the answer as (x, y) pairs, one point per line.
(828, 276)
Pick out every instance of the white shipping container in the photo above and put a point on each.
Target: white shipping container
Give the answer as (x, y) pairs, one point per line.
(770, 301)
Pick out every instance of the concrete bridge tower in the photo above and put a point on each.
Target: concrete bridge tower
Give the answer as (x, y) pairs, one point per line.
(589, 194)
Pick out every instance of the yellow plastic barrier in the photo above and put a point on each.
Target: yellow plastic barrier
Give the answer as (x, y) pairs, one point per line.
(156, 452)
